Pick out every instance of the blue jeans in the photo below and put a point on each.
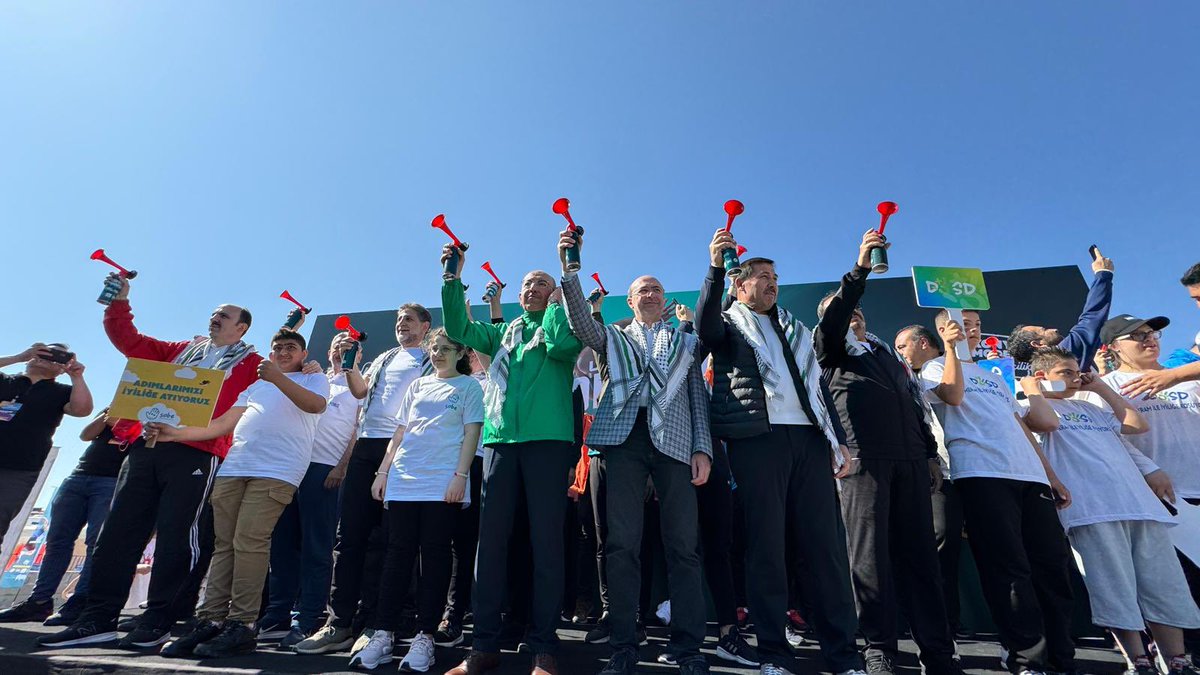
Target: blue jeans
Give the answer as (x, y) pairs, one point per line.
(302, 553)
(81, 500)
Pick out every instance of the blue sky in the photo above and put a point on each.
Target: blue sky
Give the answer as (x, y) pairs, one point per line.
(229, 150)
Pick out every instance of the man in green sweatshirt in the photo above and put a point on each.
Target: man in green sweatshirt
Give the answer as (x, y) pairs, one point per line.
(528, 436)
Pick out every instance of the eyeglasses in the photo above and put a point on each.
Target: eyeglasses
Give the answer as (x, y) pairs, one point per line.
(442, 349)
(1142, 336)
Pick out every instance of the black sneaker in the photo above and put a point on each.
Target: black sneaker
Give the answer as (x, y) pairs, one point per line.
(27, 611)
(235, 638)
(145, 636)
(733, 647)
(84, 633)
(65, 616)
(694, 665)
(623, 662)
(583, 608)
(126, 625)
(879, 663)
(600, 634)
(449, 634)
(182, 648)
(295, 636)
(274, 632)
(639, 635)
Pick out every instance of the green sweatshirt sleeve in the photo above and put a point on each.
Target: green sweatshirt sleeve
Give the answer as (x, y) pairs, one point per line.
(561, 343)
(478, 335)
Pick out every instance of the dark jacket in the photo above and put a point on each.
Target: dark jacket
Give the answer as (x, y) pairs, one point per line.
(1084, 337)
(870, 392)
(739, 400)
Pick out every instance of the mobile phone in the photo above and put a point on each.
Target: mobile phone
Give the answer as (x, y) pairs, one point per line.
(59, 355)
(1052, 385)
(1094, 251)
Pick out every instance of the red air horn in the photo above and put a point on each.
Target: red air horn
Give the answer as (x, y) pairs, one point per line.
(562, 206)
(733, 209)
(993, 343)
(879, 261)
(741, 250)
(343, 323)
(450, 269)
(111, 288)
(598, 293)
(492, 290)
(296, 316)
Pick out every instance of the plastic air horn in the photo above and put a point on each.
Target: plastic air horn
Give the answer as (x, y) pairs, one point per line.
(491, 290)
(111, 288)
(450, 269)
(741, 250)
(598, 293)
(297, 315)
(879, 260)
(343, 323)
(733, 266)
(562, 206)
(993, 343)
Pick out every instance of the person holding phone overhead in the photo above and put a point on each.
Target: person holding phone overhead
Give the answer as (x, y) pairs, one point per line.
(1083, 340)
(31, 407)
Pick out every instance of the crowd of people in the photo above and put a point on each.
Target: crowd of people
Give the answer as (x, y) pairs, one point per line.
(820, 477)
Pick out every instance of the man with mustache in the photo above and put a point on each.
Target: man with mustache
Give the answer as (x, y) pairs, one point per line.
(164, 488)
(772, 411)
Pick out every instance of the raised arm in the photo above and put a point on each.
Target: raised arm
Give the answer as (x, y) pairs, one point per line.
(579, 315)
(478, 335)
(1132, 421)
(829, 339)
(561, 343)
(1039, 416)
(118, 325)
(952, 386)
(92, 431)
(1084, 337)
(80, 403)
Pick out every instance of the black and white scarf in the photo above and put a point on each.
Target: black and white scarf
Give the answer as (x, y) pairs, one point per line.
(496, 387)
(376, 369)
(799, 340)
(663, 365)
(200, 348)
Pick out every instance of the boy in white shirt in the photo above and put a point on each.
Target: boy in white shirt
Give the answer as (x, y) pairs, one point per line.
(1116, 523)
(273, 422)
(1008, 495)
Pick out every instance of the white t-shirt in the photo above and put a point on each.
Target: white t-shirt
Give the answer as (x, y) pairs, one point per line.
(1102, 471)
(433, 414)
(786, 407)
(381, 414)
(274, 438)
(1173, 441)
(983, 438)
(337, 423)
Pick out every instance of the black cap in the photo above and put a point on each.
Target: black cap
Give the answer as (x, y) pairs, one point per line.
(1120, 326)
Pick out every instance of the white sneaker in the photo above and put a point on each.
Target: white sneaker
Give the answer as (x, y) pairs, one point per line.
(420, 655)
(772, 669)
(664, 612)
(376, 652)
(362, 640)
(794, 637)
(853, 672)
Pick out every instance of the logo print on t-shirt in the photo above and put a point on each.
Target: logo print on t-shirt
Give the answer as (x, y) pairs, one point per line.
(452, 401)
(197, 472)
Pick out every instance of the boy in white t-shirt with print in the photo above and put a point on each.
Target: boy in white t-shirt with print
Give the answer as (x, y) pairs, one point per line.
(1009, 494)
(1116, 523)
(273, 423)
(303, 541)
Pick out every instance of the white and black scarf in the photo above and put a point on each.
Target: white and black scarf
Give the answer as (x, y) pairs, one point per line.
(799, 340)
(663, 365)
(376, 369)
(200, 348)
(496, 387)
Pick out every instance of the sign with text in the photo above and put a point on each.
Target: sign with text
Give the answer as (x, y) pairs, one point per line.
(950, 288)
(168, 393)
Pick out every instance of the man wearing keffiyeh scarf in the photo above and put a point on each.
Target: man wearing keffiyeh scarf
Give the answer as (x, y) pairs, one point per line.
(886, 498)
(785, 448)
(652, 423)
(165, 488)
(529, 445)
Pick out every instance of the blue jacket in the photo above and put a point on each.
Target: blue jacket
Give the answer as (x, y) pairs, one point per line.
(1084, 338)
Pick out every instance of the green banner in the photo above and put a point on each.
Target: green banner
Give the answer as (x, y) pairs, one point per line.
(950, 288)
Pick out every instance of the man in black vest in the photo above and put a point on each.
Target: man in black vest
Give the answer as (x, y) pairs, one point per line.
(886, 498)
(772, 411)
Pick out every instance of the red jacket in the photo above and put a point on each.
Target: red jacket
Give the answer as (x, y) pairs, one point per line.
(118, 324)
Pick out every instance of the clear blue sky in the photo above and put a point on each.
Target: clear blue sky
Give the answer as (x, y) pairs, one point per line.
(228, 150)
